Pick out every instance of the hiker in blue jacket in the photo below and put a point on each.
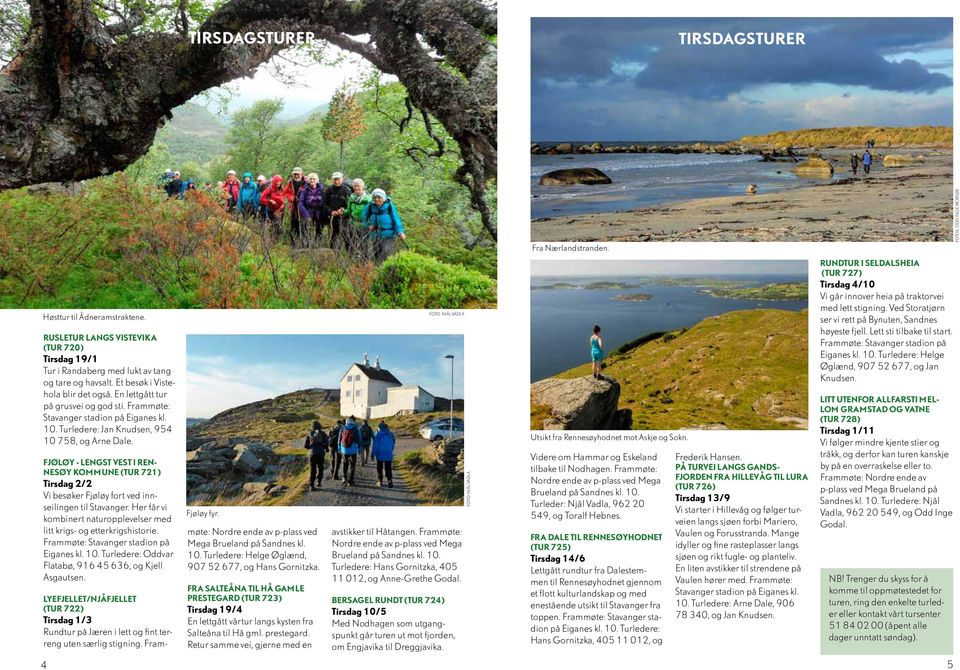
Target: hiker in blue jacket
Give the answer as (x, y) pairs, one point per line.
(248, 197)
(316, 442)
(384, 225)
(383, 445)
(349, 445)
(867, 160)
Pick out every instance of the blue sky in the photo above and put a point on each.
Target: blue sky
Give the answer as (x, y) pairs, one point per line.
(225, 371)
(630, 79)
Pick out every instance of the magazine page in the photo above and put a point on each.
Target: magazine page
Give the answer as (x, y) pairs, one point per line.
(709, 376)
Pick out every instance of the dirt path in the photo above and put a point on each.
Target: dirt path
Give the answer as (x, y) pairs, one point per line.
(365, 491)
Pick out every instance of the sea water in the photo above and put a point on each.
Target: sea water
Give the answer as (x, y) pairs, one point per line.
(645, 180)
(562, 320)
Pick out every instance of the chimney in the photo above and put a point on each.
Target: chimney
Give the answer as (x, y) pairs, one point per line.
(378, 361)
(366, 361)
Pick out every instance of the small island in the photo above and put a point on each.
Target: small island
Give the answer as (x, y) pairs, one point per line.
(633, 297)
(781, 291)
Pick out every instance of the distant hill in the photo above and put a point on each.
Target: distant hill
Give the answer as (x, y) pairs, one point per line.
(856, 136)
(744, 370)
(194, 422)
(193, 134)
(319, 111)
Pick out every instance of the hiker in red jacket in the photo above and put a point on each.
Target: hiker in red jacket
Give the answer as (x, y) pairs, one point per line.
(273, 200)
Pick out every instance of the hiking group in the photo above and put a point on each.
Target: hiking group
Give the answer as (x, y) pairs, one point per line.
(341, 214)
(345, 442)
(866, 160)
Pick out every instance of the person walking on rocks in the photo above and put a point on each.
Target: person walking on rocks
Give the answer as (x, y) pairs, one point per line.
(596, 352)
(366, 439)
(867, 161)
(316, 442)
(349, 445)
(383, 444)
(854, 162)
(335, 457)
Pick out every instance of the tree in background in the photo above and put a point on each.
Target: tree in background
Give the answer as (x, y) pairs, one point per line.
(254, 135)
(344, 119)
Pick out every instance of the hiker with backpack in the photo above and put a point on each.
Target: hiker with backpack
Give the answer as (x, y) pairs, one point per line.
(334, 205)
(248, 198)
(384, 225)
(292, 193)
(366, 439)
(311, 204)
(335, 456)
(231, 191)
(316, 442)
(349, 445)
(383, 446)
(354, 232)
(273, 200)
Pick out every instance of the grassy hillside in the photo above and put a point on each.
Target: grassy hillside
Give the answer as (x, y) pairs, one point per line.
(744, 370)
(856, 136)
(290, 416)
(193, 134)
(124, 245)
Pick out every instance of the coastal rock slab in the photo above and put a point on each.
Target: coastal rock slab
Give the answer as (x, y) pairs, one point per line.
(569, 176)
(900, 160)
(815, 167)
(583, 403)
(246, 460)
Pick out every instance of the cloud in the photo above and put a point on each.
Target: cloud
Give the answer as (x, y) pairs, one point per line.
(629, 79)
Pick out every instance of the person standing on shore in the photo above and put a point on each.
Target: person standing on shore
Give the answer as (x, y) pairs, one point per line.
(596, 352)
(854, 162)
(867, 161)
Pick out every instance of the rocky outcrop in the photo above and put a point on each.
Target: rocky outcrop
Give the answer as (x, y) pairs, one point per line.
(582, 403)
(575, 176)
(814, 167)
(900, 160)
(235, 468)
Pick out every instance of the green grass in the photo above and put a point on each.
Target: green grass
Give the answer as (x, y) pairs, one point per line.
(431, 484)
(123, 245)
(743, 370)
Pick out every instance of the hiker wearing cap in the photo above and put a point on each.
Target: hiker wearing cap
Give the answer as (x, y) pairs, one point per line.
(354, 231)
(292, 193)
(231, 190)
(383, 445)
(316, 441)
(248, 199)
(349, 445)
(335, 204)
(273, 201)
(310, 204)
(384, 224)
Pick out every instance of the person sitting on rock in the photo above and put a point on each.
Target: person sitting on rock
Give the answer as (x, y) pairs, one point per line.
(316, 442)
(596, 352)
(383, 445)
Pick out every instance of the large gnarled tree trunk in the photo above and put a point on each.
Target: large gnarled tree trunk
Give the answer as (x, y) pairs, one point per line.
(83, 99)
